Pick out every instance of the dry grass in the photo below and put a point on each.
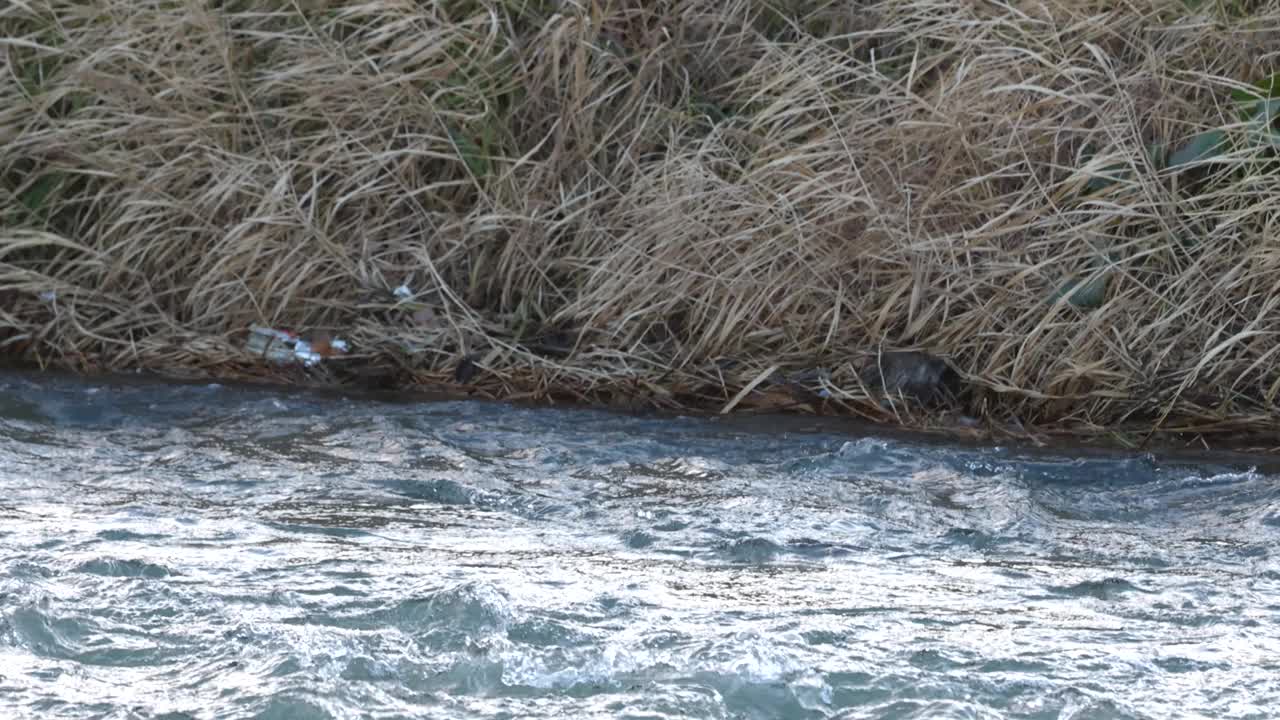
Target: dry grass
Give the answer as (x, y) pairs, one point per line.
(680, 194)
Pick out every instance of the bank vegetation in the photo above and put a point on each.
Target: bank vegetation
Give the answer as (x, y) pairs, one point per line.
(684, 204)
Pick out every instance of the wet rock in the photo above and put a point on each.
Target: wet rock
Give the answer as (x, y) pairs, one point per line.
(917, 375)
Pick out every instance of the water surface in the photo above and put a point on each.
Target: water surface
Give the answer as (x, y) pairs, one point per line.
(214, 552)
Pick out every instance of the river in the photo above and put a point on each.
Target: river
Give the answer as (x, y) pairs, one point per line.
(204, 551)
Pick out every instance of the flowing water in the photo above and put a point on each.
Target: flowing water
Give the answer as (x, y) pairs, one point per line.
(215, 552)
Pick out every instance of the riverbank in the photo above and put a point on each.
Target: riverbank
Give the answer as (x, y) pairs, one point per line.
(702, 207)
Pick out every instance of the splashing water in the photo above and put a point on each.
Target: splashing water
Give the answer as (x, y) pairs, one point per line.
(202, 551)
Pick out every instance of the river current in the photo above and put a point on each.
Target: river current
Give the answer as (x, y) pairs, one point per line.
(201, 551)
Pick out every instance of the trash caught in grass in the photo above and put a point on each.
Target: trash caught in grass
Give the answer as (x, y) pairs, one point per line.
(285, 347)
(274, 345)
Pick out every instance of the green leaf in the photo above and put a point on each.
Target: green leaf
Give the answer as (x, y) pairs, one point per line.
(1262, 129)
(1109, 175)
(489, 141)
(1268, 87)
(1157, 153)
(1204, 146)
(475, 158)
(37, 196)
(1087, 294)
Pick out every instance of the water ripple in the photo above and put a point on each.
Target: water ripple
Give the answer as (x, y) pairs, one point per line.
(204, 551)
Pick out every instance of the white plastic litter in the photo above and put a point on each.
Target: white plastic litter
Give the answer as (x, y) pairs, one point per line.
(302, 350)
(285, 347)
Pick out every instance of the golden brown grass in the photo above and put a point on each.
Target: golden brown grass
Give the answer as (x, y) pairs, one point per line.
(680, 194)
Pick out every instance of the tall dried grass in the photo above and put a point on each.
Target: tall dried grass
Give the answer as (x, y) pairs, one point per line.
(657, 200)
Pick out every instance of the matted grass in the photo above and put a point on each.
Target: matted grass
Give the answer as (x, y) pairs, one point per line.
(655, 202)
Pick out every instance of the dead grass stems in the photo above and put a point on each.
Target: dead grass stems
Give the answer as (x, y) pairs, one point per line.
(653, 203)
